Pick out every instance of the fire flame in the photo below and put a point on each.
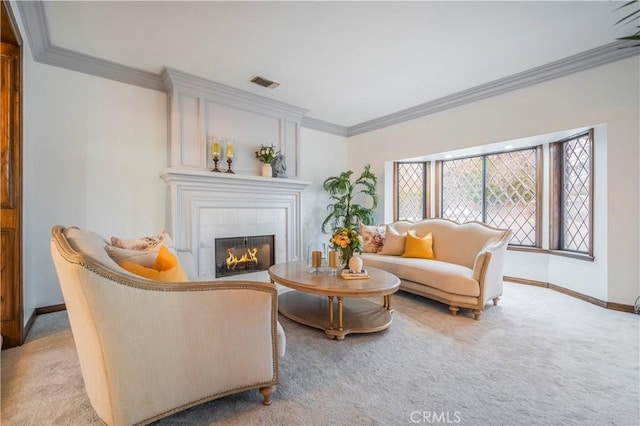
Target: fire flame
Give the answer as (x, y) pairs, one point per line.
(248, 257)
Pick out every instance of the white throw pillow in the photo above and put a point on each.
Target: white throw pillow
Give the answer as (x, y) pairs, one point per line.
(394, 242)
(152, 242)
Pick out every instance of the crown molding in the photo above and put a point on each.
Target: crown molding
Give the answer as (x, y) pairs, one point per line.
(228, 95)
(35, 23)
(92, 65)
(323, 126)
(589, 59)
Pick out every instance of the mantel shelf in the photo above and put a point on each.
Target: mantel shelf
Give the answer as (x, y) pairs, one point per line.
(200, 177)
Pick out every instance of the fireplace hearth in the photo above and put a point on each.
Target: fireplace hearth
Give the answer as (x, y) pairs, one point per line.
(241, 255)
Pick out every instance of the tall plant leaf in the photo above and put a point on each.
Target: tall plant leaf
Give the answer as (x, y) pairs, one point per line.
(343, 210)
(629, 18)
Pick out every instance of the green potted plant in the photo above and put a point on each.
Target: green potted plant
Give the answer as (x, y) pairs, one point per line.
(345, 214)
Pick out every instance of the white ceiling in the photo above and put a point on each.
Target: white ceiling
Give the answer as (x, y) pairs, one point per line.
(346, 62)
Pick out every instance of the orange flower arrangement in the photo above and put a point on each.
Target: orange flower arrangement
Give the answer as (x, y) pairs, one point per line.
(347, 241)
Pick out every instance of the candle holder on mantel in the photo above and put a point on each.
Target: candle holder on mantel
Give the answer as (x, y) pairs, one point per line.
(215, 164)
(229, 161)
(230, 151)
(215, 153)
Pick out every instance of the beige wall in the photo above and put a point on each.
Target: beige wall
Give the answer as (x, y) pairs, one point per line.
(606, 96)
(323, 155)
(93, 150)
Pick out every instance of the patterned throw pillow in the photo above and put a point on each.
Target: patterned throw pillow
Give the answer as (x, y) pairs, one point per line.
(143, 250)
(152, 242)
(372, 237)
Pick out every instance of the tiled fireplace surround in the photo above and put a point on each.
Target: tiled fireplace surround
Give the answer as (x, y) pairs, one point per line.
(205, 205)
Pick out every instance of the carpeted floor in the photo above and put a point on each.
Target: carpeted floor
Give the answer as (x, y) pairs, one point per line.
(538, 358)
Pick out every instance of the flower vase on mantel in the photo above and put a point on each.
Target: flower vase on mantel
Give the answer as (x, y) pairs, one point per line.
(266, 155)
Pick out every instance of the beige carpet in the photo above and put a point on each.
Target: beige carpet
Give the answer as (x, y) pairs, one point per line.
(540, 357)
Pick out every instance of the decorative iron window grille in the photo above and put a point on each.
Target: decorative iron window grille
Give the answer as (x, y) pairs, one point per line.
(572, 194)
(500, 189)
(462, 189)
(411, 191)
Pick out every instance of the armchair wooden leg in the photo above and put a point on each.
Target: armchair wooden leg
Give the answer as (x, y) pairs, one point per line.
(476, 314)
(454, 310)
(495, 301)
(266, 394)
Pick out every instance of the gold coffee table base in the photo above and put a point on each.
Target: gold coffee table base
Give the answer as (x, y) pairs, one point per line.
(337, 316)
(333, 304)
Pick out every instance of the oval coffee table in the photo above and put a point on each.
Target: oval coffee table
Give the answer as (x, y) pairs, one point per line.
(312, 302)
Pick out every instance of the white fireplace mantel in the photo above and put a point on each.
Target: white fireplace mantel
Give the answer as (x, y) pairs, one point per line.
(226, 181)
(196, 195)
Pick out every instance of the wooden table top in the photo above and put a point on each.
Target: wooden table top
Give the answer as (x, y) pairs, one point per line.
(296, 275)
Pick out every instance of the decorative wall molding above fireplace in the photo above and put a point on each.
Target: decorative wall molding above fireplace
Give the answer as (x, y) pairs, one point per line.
(199, 109)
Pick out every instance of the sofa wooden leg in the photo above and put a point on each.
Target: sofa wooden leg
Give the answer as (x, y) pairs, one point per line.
(454, 310)
(476, 314)
(266, 394)
(495, 301)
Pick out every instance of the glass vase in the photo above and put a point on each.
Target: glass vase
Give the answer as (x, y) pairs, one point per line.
(345, 255)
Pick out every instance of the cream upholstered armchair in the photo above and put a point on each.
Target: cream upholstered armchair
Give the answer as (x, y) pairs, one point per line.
(149, 349)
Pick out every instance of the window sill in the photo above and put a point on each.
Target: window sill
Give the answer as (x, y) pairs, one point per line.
(527, 249)
(578, 256)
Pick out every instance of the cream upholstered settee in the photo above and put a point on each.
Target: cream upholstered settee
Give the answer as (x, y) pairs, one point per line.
(467, 268)
(148, 349)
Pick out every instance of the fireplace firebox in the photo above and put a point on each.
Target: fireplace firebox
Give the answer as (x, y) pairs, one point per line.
(241, 255)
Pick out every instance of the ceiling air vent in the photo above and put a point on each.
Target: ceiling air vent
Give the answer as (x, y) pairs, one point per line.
(265, 82)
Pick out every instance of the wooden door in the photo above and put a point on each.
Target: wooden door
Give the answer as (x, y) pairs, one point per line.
(11, 311)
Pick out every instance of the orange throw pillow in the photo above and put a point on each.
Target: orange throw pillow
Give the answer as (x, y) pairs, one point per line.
(419, 247)
(165, 268)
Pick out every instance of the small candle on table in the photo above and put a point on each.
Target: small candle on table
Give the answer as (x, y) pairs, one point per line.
(230, 150)
(215, 148)
(333, 259)
(316, 259)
